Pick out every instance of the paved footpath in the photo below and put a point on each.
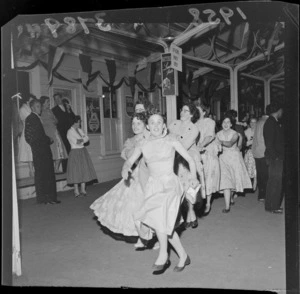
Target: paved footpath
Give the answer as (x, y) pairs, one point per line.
(63, 245)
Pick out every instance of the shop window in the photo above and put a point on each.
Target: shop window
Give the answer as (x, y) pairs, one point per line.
(111, 129)
(109, 103)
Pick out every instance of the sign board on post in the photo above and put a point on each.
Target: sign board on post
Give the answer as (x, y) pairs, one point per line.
(176, 57)
(169, 76)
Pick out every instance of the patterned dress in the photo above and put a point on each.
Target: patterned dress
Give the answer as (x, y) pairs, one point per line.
(188, 140)
(49, 123)
(115, 208)
(249, 158)
(209, 156)
(163, 191)
(234, 174)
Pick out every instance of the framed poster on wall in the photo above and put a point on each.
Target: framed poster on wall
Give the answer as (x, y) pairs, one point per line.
(93, 115)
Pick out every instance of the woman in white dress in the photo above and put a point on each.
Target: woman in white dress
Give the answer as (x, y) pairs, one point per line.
(249, 158)
(234, 175)
(25, 153)
(163, 191)
(115, 208)
(187, 134)
(49, 121)
(209, 149)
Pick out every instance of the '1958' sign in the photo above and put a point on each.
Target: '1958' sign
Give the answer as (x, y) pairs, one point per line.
(70, 23)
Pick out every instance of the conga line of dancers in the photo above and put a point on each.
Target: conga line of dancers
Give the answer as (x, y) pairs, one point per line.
(165, 167)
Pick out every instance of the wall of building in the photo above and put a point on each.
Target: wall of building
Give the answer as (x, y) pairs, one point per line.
(107, 166)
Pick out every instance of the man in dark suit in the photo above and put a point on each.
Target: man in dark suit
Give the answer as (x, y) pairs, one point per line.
(64, 122)
(44, 176)
(274, 154)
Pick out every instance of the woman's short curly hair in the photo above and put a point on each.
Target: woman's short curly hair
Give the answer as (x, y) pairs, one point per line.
(228, 115)
(43, 99)
(194, 111)
(204, 106)
(76, 119)
(153, 111)
(140, 116)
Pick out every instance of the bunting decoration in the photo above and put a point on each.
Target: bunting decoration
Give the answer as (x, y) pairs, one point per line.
(54, 59)
(112, 71)
(86, 63)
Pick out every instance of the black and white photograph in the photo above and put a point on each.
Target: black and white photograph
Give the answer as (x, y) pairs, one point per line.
(150, 146)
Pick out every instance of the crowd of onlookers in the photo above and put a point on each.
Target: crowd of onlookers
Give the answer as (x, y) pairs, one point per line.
(262, 146)
(52, 142)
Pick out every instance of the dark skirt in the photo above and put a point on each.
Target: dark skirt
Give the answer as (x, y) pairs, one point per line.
(80, 168)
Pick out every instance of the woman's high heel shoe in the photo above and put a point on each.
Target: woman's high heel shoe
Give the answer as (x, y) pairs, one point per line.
(187, 225)
(181, 268)
(206, 213)
(161, 268)
(194, 224)
(226, 210)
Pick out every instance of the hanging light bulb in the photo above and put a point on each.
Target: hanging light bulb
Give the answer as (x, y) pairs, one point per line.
(169, 38)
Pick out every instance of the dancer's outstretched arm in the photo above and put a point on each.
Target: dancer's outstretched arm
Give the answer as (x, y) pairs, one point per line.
(130, 161)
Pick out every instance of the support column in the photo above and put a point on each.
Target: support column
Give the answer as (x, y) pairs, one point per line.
(267, 92)
(234, 89)
(218, 109)
(171, 108)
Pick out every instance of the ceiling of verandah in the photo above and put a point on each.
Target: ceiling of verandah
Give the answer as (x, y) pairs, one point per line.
(208, 49)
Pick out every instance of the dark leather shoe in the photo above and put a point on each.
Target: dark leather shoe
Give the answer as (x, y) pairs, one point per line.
(181, 268)
(206, 213)
(194, 224)
(226, 210)
(141, 248)
(54, 202)
(160, 269)
(187, 225)
(277, 211)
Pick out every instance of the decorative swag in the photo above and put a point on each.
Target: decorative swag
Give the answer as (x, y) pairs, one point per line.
(56, 55)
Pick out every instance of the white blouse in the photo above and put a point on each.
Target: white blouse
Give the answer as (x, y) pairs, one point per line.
(73, 136)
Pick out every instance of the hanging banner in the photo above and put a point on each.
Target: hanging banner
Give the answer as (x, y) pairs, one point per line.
(169, 77)
(176, 57)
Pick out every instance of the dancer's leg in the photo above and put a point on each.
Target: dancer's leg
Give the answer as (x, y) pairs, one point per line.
(76, 191)
(207, 207)
(163, 246)
(227, 197)
(191, 215)
(83, 188)
(176, 243)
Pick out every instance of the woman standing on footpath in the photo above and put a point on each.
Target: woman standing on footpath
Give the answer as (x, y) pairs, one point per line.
(80, 169)
(234, 175)
(209, 149)
(49, 121)
(249, 158)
